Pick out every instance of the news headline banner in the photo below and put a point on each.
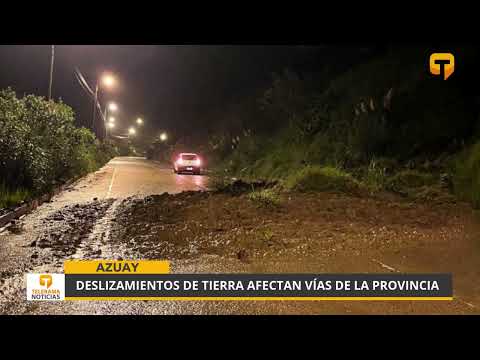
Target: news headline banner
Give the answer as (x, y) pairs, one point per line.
(134, 280)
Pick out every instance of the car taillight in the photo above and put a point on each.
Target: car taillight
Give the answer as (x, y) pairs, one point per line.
(180, 161)
(198, 162)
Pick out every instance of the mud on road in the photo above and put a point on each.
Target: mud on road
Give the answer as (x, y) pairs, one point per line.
(66, 229)
(308, 225)
(47, 242)
(221, 232)
(322, 232)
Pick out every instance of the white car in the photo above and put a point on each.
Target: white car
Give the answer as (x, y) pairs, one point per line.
(187, 162)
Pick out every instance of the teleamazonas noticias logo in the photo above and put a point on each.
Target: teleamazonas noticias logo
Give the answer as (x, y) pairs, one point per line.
(45, 287)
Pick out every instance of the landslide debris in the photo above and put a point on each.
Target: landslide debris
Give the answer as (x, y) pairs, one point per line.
(68, 227)
(192, 224)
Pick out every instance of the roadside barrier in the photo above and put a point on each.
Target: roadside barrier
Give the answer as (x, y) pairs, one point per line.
(7, 219)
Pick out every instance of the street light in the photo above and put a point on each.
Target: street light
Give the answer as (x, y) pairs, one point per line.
(163, 136)
(139, 121)
(132, 131)
(108, 81)
(110, 126)
(112, 106)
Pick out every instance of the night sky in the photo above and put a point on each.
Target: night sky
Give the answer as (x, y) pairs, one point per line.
(169, 86)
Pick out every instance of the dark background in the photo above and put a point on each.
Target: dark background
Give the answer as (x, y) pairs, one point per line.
(173, 88)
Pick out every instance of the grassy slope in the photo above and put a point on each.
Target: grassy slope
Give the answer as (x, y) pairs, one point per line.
(12, 197)
(426, 117)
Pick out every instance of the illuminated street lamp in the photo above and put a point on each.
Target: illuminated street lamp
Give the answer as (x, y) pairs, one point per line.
(140, 121)
(163, 136)
(108, 81)
(132, 131)
(112, 106)
(110, 126)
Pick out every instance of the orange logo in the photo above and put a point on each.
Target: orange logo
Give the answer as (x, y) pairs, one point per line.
(442, 64)
(46, 280)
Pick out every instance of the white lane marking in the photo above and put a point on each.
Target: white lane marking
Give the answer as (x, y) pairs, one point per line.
(467, 303)
(470, 305)
(111, 182)
(385, 266)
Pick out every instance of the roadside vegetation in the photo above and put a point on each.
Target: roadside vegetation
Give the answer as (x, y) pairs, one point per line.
(40, 146)
(316, 178)
(466, 182)
(265, 197)
(384, 125)
(12, 197)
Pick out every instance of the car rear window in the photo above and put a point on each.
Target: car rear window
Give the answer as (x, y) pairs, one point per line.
(189, 157)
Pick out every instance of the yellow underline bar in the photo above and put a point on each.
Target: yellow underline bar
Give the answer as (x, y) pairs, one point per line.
(264, 298)
(105, 267)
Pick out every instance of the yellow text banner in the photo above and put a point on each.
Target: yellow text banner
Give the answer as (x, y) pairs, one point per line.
(116, 267)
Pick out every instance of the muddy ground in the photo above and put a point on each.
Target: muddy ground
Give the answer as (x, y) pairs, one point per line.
(202, 231)
(322, 231)
(303, 225)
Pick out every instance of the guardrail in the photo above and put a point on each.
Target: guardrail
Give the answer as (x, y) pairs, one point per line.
(6, 219)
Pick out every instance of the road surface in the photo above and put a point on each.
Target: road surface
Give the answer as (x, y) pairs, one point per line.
(96, 198)
(132, 176)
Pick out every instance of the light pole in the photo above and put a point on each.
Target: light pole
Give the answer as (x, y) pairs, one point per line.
(112, 107)
(52, 58)
(139, 122)
(95, 100)
(110, 126)
(107, 80)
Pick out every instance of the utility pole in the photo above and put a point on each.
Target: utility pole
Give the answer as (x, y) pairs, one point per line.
(52, 58)
(95, 100)
(105, 121)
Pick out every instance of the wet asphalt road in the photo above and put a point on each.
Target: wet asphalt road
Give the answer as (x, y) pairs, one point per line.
(127, 176)
(132, 176)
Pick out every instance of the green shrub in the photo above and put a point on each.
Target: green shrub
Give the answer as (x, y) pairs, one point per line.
(385, 107)
(406, 180)
(12, 197)
(375, 177)
(432, 194)
(368, 135)
(466, 176)
(265, 197)
(104, 152)
(316, 178)
(323, 150)
(83, 152)
(267, 159)
(40, 145)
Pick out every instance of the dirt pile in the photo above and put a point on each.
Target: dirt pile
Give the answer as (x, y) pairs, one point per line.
(68, 227)
(322, 224)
